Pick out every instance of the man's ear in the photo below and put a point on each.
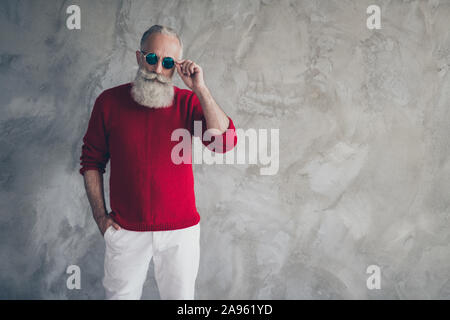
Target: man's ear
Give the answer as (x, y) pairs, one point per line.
(138, 58)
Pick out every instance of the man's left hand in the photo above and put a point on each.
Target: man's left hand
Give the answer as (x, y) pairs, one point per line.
(191, 74)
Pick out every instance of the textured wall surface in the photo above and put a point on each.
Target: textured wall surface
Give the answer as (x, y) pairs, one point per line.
(364, 153)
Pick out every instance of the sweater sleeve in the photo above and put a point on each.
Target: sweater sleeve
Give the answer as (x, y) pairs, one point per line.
(220, 143)
(95, 149)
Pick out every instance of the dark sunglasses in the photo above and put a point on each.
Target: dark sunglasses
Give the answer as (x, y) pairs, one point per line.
(152, 59)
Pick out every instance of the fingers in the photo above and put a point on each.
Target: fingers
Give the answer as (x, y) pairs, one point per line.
(180, 69)
(116, 226)
(187, 67)
(181, 66)
(178, 66)
(111, 222)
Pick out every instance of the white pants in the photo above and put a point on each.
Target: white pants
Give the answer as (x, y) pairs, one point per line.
(176, 255)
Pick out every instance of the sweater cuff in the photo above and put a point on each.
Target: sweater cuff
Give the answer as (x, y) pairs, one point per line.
(84, 169)
(225, 141)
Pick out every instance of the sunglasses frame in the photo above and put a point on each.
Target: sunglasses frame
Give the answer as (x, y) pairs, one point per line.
(157, 59)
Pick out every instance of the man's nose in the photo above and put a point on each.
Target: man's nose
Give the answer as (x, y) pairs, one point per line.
(159, 67)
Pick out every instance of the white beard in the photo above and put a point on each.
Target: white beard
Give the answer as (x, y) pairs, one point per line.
(152, 90)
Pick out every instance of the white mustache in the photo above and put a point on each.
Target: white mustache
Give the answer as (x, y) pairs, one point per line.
(152, 75)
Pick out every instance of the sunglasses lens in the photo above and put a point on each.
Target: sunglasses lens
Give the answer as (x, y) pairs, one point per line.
(151, 58)
(168, 63)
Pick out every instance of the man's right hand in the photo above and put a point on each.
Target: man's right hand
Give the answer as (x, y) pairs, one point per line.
(104, 222)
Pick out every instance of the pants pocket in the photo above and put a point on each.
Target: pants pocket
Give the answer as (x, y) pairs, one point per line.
(106, 234)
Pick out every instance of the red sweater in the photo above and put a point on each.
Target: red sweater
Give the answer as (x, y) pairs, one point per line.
(148, 192)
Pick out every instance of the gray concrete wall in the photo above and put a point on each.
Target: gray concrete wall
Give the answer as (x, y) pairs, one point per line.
(364, 126)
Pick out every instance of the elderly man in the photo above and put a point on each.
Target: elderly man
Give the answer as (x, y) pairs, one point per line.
(153, 211)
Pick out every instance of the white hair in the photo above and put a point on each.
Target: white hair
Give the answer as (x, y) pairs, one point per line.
(163, 30)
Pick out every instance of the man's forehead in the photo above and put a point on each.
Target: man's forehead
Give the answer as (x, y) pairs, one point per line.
(162, 45)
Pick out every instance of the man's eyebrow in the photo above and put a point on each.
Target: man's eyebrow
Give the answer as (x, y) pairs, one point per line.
(159, 55)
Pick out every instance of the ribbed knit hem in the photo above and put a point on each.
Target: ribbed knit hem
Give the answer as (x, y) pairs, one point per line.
(145, 226)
